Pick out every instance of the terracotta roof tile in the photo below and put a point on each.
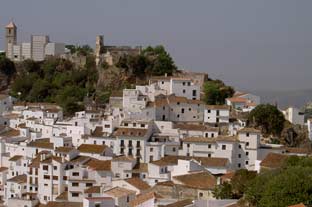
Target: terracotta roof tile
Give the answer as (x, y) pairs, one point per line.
(273, 160)
(92, 148)
(119, 192)
(198, 180)
(141, 199)
(138, 183)
(99, 165)
(130, 132)
(18, 179)
(93, 189)
(181, 203)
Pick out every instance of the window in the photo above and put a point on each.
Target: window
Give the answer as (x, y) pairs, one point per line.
(138, 144)
(151, 158)
(103, 142)
(173, 149)
(209, 155)
(187, 154)
(247, 153)
(45, 167)
(178, 103)
(247, 134)
(218, 112)
(209, 146)
(75, 184)
(183, 83)
(94, 142)
(75, 194)
(178, 116)
(164, 108)
(209, 111)
(212, 135)
(188, 83)
(46, 177)
(89, 184)
(190, 109)
(162, 82)
(201, 195)
(239, 155)
(194, 92)
(206, 134)
(75, 173)
(151, 149)
(239, 165)
(126, 124)
(223, 147)
(142, 125)
(247, 144)
(247, 162)
(240, 146)
(183, 91)
(107, 126)
(188, 145)
(182, 110)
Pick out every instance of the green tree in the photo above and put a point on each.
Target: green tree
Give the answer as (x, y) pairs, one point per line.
(7, 67)
(289, 185)
(223, 191)
(216, 92)
(268, 118)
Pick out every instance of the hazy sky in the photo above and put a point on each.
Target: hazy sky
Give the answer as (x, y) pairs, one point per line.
(250, 44)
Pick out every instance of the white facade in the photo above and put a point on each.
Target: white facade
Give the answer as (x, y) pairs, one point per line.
(54, 49)
(38, 44)
(294, 116)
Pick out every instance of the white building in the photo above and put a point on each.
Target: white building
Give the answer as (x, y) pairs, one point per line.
(54, 49)
(215, 114)
(38, 44)
(293, 115)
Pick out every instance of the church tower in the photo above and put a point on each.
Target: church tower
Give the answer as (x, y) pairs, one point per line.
(10, 38)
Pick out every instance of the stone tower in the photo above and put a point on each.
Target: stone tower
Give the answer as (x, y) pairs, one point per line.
(99, 48)
(10, 38)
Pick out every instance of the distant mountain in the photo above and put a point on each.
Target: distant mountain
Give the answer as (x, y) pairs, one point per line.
(297, 98)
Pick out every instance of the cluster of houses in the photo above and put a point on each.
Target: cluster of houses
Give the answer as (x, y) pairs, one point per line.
(156, 145)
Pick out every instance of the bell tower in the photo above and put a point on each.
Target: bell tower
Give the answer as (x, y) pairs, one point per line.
(10, 38)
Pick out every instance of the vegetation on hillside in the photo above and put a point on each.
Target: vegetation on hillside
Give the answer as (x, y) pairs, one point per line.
(291, 184)
(55, 80)
(216, 92)
(268, 118)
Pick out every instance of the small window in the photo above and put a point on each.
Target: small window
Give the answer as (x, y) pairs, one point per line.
(201, 195)
(209, 146)
(240, 146)
(178, 103)
(75, 173)
(75, 184)
(247, 134)
(182, 110)
(183, 91)
(75, 194)
(183, 83)
(173, 149)
(239, 165)
(209, 155)
(247, 162)
(239, 155)
(209, 111)
(55, 167)
(151, 149)
(247, 144)
(223, 147)
(247, 153)
(188, 145)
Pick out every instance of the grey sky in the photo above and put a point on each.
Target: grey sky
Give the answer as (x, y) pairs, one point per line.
(250, 44)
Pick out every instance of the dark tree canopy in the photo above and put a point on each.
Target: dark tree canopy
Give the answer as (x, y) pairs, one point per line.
(283, 187)
(268, 118)
(7, 67)
(55, 80)
(216, 92)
